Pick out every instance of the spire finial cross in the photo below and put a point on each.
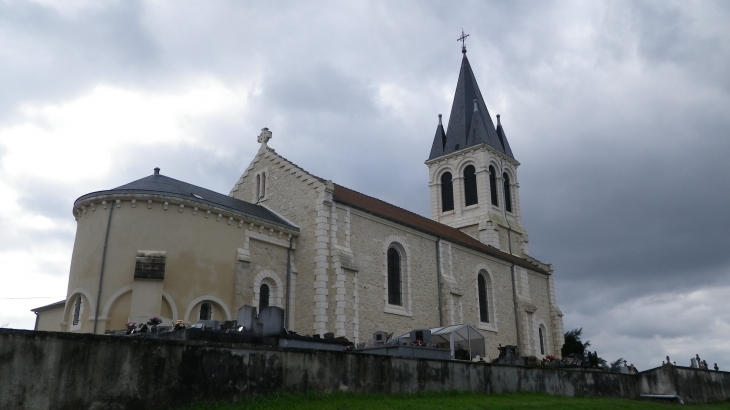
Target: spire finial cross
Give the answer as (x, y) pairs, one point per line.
(463, 41)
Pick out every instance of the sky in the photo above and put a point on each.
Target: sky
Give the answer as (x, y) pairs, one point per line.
(618, 111)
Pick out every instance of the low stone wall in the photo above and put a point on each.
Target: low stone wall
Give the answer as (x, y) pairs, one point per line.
(48, 370)
(692, 385)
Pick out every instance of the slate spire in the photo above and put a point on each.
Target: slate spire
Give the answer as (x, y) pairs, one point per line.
(439, 141)
(503, 138)
(469, 123)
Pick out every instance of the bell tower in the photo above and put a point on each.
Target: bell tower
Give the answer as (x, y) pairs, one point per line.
(473, 173)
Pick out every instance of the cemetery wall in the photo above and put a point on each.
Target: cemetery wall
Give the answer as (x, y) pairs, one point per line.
(692, 385)
(58, 371)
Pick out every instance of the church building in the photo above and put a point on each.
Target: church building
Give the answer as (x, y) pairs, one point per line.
(336, 260)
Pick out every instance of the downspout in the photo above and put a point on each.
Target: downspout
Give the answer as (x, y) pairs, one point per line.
(512, 267)
(438, 280)
(288, 281)
(103, 261)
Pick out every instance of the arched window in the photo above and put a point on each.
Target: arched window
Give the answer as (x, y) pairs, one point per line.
(507, 195)
(483, 299)
(542, 344)
(394, 277)
(447, 192)
(263, 296)
(262, 193)
(493, 185)
(470, 185)
(77, 310)
(205, 312)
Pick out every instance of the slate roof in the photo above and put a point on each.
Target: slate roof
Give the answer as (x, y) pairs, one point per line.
(401, 216)
(468, 126)
(157, 184)
(52, 306)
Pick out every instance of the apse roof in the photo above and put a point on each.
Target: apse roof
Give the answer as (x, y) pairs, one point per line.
(469, 123)
(158, 184)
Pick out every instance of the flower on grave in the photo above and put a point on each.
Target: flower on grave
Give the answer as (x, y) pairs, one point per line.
(549, 358)
(179, 324)
(131, 325)
(154, 320)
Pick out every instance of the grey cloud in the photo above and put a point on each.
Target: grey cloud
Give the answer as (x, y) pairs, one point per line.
(322, 90)
(51, 199)
(52, 56)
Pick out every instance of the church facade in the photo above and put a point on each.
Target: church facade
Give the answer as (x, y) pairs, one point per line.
(334, 259)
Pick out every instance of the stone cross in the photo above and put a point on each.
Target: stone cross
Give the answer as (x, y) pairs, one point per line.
(265, 136)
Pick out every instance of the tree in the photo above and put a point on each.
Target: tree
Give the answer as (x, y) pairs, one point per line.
(573, 344)
(593, 359)
(616, 366)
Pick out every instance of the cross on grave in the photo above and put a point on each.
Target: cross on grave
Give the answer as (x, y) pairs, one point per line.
(463, 41)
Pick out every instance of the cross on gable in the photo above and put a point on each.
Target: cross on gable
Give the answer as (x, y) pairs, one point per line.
(463, 41)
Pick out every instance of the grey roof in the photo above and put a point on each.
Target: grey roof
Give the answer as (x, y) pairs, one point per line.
(157, 184)
(54, 305)
(468, 125)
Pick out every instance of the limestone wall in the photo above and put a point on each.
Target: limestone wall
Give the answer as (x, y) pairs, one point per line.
(483, 220)
(293, 194)
(341, 280)
(371, 238)
(368, 238)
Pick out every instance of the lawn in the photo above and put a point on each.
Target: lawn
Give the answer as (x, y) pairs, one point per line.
(444, 400)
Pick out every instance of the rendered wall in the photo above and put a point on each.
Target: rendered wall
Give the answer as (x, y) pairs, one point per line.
(49, 320)
(201, 262)
(59, 371)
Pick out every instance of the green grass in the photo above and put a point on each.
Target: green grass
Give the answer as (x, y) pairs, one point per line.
(443, 400)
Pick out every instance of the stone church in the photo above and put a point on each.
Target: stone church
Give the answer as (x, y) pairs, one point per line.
(336, 260)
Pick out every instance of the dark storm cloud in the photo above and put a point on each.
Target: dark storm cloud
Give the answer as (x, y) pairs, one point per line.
(624, 177)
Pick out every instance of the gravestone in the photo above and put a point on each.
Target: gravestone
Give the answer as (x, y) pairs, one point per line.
(271, 320)
(509, 355)
(423, 335)
(379, 338)
(228, 324)
(694, 364)
(206, 324)
(247, 319)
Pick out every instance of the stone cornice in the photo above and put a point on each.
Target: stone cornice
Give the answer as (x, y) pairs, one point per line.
(480, 147)
(170, 203)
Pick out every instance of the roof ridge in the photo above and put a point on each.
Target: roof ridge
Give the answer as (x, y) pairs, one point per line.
(421, 223)
(295, 165)
(388, 203)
